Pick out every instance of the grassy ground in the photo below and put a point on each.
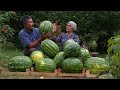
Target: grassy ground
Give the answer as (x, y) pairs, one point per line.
(9, 52)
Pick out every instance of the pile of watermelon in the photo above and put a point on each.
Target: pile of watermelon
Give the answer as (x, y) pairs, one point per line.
(72, 59)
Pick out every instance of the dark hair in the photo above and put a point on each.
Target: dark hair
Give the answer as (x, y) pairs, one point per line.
(24, 19)
(57, 22)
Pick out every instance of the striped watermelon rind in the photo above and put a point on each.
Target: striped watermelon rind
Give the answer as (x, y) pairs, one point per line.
(59, 58)
(50, 48)
(72, 65)
(68, 42)
(45, 65)
(96, 65)
(85, 54)
(72, 50)
(19, 63)
(46, 27)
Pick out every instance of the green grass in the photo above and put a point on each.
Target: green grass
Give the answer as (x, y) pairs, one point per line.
(7, 53)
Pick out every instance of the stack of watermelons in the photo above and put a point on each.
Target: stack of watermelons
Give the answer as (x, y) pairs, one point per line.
(42, 60)
(72, 59)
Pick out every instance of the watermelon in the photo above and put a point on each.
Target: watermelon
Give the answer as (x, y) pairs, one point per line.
(19, 63)
(36, 55)
(85, 54)
(50, 48)
(72, 65)
(58, 59)
(46, 27)
(45, 65)
(96, 65)
(72, 50)
(68, 42)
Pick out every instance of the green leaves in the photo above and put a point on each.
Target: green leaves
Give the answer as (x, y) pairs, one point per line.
(114, 52)
(97, 25)
(114, 45)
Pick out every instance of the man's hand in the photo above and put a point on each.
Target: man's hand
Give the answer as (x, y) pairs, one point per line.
(45, 36)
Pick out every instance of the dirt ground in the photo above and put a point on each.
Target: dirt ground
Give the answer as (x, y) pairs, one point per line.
(36, 77)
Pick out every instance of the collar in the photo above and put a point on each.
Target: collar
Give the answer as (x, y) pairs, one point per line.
(69, 35)
(28, 30)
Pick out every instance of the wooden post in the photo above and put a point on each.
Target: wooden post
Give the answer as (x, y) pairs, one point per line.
(89, 75)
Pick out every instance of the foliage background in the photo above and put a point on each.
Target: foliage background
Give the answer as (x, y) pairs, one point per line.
(91, 25)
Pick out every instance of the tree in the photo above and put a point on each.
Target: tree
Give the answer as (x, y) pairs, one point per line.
(91, 25)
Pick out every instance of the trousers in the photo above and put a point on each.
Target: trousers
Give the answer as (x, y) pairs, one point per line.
(29, 51)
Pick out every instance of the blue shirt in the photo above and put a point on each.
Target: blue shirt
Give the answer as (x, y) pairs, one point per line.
(61, 39)
(26, 37)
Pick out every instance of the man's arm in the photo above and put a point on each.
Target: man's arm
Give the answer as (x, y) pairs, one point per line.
(43, 37)
(33, 44)
(27, 43)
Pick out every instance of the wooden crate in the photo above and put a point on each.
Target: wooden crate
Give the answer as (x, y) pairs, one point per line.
(34, 73)
(5, 71)
(89, 75)
(81, 74)
(0, 69)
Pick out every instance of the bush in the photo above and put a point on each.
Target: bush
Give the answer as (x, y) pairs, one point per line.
(95, 25)
(114, 55)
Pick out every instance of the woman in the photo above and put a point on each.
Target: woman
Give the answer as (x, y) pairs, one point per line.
(62, 38)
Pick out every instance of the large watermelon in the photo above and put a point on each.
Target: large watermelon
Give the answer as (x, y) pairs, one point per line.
(68, 42)
(19, 63)
(36, 55)
(96, 65)
(45, 65)
(58, 59)
(49, 48)
(72, 50)
(46, 26)
(72, 65)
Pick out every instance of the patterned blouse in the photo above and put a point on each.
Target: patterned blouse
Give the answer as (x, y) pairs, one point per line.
(61, 39)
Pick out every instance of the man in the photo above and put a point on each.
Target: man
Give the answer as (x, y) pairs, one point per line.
(30, 36)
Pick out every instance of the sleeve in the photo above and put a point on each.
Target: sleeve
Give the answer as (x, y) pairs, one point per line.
(77, 39)
(38, 33)
(57, 39)
(24, 40)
